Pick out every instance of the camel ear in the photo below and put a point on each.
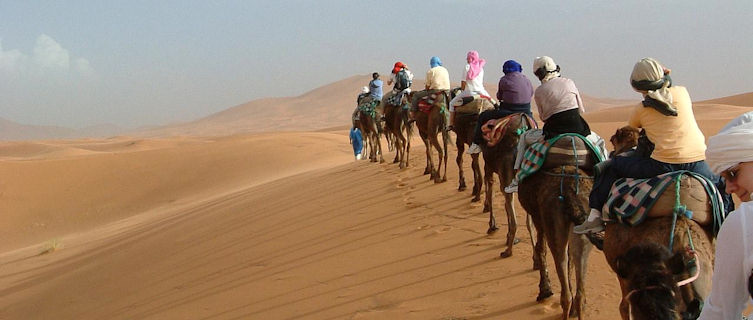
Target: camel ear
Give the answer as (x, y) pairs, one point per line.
(676, 263)
(621, 267)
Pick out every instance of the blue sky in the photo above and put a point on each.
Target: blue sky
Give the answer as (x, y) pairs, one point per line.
(133, 63)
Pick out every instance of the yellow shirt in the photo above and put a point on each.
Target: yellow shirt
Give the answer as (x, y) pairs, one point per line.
(676, 139)
(438, 78)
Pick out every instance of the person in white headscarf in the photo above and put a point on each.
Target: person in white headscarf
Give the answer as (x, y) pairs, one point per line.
(730, 154)
(666, 115)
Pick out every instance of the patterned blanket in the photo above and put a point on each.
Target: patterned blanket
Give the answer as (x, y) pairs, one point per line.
(427, 102)
(494, 129)
(631, 199)
(535, 155)
(369, 107)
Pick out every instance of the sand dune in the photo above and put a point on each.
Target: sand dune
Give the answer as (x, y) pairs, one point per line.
(278, 225)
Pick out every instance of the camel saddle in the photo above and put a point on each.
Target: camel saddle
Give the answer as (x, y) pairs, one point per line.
(427, 102)
(494, 129)
(631, 201)
(478, 104)
(567, 149)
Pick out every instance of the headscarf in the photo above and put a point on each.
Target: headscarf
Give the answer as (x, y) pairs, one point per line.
(365, 90)
(511, 66)
(649, 75)
(398, 65)
(552, 69)
(476, 63)
(732, 145)
(435, 62)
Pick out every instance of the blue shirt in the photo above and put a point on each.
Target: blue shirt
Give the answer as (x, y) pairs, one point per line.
(375, 88)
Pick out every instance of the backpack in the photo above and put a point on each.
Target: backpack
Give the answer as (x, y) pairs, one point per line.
(403, 80)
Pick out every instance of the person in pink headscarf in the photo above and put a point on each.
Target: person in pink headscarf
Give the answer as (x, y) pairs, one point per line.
(472, 84)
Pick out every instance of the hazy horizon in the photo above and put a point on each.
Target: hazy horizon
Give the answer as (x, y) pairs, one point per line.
(79, 64)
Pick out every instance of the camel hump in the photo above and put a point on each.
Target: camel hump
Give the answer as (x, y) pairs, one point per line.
(633, 200)
(570, 151)
(478, 105)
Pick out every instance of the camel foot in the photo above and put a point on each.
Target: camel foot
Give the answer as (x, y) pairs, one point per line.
(492, 230)
(486, 208)
(543, 295)
(395, 161)
(427, 171)
(381, 161)
(476, 199)
(461, 188)
(505, 254)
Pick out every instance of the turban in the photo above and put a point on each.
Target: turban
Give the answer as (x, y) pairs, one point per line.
(398, 65)
(476, 65)
(435, 62)
(648, 75)
(365, 90)
(732, 145)
(511, 66)
(551, 70)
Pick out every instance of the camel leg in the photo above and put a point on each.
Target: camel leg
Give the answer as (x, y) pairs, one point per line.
(545, 288)
(445, 142)
(532, 234)
(489, 183)
(476, 177)
(558, 235)
(459, 161)
(579, 249)
(512, 225)
(408, 134)
(440, 155)
(378, 146)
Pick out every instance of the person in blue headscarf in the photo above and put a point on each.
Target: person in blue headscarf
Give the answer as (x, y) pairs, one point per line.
(437, 80)
(514, 94)
(356, 139)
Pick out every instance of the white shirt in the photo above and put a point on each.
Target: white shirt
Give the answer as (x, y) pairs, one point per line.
(732, 266)
(475, 85)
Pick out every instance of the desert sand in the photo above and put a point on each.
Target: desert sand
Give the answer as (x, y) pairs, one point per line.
(210, 220)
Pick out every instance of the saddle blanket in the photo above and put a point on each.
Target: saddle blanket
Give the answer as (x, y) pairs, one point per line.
(630, 200)
(475, 104)
(535, 156)
(494, 129)
(369, 107)
(427, 102)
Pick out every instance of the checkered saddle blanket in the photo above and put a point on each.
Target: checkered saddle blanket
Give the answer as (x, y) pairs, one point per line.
(535, 157)
(631, 200)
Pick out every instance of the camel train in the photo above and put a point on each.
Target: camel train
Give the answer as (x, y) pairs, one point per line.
(663, 262)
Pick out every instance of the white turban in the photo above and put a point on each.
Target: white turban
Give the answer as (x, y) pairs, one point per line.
(648, 69)
(548, 64)
(732, 145)
(365, 90)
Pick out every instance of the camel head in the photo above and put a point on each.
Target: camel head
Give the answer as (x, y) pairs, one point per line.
(652, 273)
(624, 139)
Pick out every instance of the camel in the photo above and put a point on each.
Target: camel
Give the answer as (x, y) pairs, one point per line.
(556, 198)
(464, 126)
(370, 129)
(623, 140)
(396, 122)
(648, 271)
(429, 126)
(500, 159)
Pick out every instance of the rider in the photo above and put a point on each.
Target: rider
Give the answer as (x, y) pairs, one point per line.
(360, 100)
(730, 153)
(666, 114)
(514, 93)
(473, 83)
(560, 107)
(437, 80)
(402, 78)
